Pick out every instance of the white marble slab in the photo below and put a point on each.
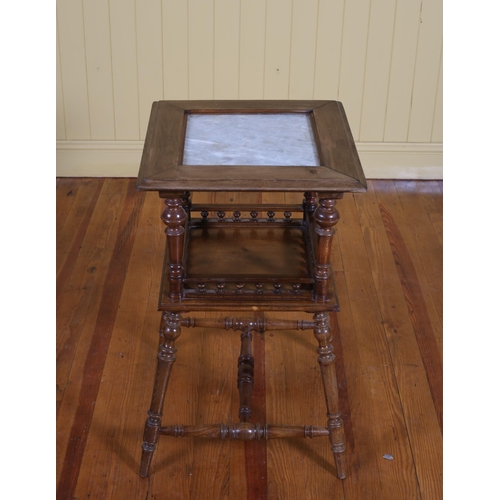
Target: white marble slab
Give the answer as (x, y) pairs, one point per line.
(250, 139)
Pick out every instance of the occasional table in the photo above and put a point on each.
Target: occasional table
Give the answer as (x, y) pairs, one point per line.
(248, 258)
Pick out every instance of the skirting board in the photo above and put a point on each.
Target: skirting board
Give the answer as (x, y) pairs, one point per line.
(380, 160)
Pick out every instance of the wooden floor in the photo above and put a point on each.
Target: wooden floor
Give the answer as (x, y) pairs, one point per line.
(387, 261)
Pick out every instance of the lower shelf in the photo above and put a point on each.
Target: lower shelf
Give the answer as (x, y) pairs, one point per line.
(273, 252)
(247, 267)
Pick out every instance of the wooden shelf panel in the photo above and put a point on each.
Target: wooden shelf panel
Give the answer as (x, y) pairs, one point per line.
(261, 252)
(247, 267)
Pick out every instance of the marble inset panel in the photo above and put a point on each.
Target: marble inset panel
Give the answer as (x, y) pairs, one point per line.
(250, 139)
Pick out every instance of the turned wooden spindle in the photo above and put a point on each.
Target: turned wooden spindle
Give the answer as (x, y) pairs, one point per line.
(186, 203)
(254, 324)
(326, 360)
(174, 216)
(166, 358)
(310, 201)
(245, 375)
(244, 431)
(325, 217)
(163, 322)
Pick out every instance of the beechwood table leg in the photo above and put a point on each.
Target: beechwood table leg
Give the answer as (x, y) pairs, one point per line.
(166, 358)
(326, 359)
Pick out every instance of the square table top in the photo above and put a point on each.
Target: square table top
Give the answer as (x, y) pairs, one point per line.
(261, 145)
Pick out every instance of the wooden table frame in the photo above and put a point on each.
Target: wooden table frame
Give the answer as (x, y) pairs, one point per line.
(339, 171)
(218, 288)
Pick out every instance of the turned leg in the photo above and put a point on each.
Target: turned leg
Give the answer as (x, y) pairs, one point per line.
(310, 201)
(326, 360)
(245, 375)
(166, 357)
(325, 218)
(174, 216)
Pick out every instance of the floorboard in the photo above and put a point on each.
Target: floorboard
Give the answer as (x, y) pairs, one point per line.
(418, 295)
(429, 192)
(425, 238)
(379, 397)
(387, 263)
(66, 189)
(421, 420)
(74, 219)
(101, 336)
(78, 297)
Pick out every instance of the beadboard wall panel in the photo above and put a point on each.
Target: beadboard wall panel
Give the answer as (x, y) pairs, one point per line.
(226, 49)
(430, 41)
(201, 49)
(404, 52)
(99, 70)
(377, 70)
(353, 60)
(252, 48)
(60, 120)
(437, 125)
(382, 59)
(149, 58)
(278, 43)
(328, 49)
(303, 49)
(124, 63)
(73, 69)
(175, 33)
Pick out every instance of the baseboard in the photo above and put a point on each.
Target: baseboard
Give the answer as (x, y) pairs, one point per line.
(380, 160)
(401, 160)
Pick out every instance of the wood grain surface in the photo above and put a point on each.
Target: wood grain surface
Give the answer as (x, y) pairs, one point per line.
(387, 260)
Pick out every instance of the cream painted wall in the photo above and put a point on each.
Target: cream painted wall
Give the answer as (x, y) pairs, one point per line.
(381, 58)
